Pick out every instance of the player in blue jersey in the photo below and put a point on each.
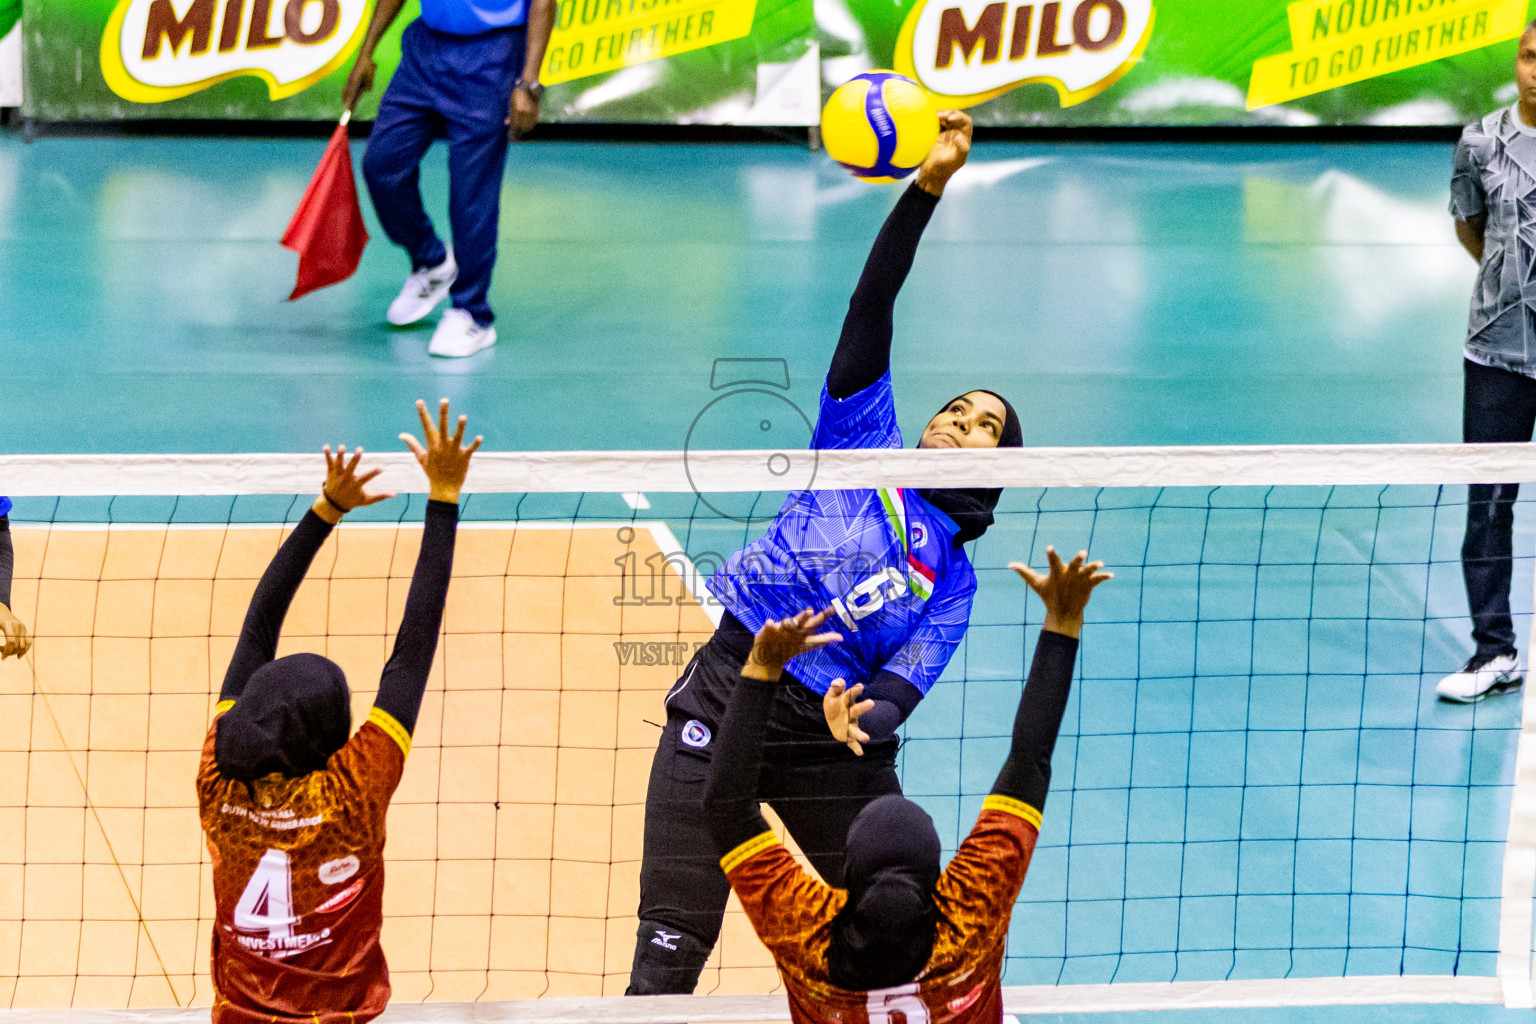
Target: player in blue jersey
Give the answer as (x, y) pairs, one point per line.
(14, 639)
(889, 562)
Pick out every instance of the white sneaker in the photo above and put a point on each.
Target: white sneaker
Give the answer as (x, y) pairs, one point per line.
(458, 335)
(1480, 678)
(422, 291)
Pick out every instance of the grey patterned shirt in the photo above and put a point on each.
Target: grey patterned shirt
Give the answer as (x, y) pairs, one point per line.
(1495, 174)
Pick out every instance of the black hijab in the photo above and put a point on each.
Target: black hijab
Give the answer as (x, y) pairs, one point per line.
(971, 507)
(883, 936)
(292, 716)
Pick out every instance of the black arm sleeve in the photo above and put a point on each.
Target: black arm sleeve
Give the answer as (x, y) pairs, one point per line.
(894, 698)
(7, 560)
(730, 798)
(269, 605)
(864, 350)
(1026, 775)
(405, 676)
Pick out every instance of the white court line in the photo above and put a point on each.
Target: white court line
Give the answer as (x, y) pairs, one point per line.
(666, 541)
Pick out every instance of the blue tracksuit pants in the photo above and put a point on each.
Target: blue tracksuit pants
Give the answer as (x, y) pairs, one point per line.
(458, 88)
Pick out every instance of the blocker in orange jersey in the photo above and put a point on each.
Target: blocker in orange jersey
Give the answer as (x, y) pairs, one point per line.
(298, 878)
(292, 804)
(793, 912)
(902, 941)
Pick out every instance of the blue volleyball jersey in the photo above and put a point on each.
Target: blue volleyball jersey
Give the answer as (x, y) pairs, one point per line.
(5, 506)
(464, 18)
(883, 559)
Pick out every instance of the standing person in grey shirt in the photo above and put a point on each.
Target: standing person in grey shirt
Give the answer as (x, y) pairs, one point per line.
(1493, 198)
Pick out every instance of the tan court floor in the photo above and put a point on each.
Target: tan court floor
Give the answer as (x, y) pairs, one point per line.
(515, 838)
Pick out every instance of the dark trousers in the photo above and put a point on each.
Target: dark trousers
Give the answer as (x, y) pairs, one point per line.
(1499, 406)
(458, 88)
(813, 783)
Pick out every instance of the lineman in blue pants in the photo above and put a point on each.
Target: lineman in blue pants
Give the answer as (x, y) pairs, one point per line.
(469, 72)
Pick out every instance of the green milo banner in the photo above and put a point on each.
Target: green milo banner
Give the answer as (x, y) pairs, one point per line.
(1012, 62)
(708, 61)
(1174, 62)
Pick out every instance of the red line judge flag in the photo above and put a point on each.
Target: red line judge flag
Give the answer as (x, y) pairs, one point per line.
(327, 229)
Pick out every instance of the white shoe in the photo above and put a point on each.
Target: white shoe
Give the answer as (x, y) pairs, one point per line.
(458, 335)
(1480, 678)
(422, 291)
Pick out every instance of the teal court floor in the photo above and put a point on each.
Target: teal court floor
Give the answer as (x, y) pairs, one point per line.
(1254, 780)
(1119, 294)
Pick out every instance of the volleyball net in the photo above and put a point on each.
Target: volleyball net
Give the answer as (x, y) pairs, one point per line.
(1257, 798)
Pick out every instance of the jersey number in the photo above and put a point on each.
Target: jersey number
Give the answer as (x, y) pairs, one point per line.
(886, 1003)
(870, 596)
(266, 905)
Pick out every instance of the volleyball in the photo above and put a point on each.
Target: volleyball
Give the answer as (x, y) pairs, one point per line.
(879, 125)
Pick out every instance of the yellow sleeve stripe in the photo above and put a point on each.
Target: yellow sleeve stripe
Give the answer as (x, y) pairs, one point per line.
(223, 706)
(751, 848)
(397, 732)
(1007, 804)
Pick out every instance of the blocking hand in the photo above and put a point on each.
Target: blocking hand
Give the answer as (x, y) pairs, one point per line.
(344, 489)
(777, 642)
(444, 458)
(1065, 589)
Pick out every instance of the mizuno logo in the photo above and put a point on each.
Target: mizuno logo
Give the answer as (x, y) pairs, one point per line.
(664, 939)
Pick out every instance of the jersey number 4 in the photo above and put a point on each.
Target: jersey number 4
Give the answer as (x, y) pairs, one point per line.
(266, 905)
(885, 1004)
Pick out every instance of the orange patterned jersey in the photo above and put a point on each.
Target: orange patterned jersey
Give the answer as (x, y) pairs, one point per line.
(962, 983)
(298, 883)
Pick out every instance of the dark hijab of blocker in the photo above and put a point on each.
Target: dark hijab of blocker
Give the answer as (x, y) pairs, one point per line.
(292, 716)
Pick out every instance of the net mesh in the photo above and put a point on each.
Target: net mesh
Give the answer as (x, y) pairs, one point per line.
(1254, 778)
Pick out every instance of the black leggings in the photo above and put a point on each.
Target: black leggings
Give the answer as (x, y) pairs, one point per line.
(813, 783)
(7, 560)
(1499, 406)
